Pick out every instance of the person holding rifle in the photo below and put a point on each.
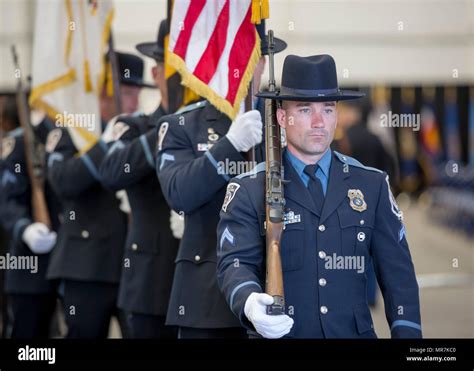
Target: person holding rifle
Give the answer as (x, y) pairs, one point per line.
(339, 217)
(31, 297)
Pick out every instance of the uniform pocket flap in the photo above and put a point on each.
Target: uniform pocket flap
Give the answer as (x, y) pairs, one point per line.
(352, 218)
(363, 318)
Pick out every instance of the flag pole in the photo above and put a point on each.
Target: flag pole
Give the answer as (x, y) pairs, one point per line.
(112, 56)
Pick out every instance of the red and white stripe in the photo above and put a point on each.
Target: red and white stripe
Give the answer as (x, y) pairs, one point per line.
(215, 40)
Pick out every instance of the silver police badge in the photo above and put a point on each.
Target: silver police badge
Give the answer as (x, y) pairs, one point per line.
(229, 195)
(356, 198)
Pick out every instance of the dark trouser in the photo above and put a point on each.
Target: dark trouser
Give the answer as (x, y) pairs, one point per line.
(146, 326)
(212, 333)
(30, 315)
(88, 308)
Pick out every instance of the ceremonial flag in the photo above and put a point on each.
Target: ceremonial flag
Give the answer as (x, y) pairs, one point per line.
(70, 42)
(409, 167)
(215, 47)
(471, 127)
(178, 95)
(451, 125)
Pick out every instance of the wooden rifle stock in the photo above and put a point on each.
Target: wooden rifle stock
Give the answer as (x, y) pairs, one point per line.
(34, 156)
(275, 201)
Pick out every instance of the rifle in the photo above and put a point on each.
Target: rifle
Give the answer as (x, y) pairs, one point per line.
(275, 201)
(34, 154)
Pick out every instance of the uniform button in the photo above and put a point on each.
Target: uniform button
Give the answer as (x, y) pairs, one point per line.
(322, 254)
(85, 234)
(134, 246)
(197, 258)
(322, 228)
(362, 222)
(323, 309)
(322, 282)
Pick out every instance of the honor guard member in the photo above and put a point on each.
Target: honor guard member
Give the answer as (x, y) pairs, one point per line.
(340, 216)
(88, 256)
(194, 144)
(31, 297)
(148, 264)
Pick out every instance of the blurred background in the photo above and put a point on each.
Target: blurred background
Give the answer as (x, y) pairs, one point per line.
(415, 61)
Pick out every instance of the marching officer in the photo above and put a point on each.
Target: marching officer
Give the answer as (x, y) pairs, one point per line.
(193, 147)
(148, 264)
(31, 297)
(88, 257)
(340, 216)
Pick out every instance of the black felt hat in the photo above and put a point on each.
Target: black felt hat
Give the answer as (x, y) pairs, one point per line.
(310, 79)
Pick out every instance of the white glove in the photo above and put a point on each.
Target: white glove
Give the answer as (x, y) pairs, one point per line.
(39, 238)
(108, 134)
(270, 327)
(246, 131)
(124, 203)
(37, 116)
(177, 225)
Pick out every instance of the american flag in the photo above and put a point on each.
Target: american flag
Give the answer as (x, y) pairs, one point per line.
(214, 46)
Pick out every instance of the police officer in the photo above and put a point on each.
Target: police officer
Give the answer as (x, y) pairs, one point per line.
(88, 257)
(148, 264)
(194, 147)
(339, 217)
(31, 297)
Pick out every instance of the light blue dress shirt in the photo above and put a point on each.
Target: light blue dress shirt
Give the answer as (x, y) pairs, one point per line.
(322, 172)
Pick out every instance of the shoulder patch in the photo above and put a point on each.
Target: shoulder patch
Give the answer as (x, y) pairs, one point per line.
(8, 145)
(393, 204)
(16, 132)
(353, 162)
(161, 134)
(257, 169)
(53, 139)
(119, 129)
(191, 107)
(232, 189)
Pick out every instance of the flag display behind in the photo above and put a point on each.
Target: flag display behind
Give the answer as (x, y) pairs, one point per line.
(178, 95)
(70, 43)
(215, 47)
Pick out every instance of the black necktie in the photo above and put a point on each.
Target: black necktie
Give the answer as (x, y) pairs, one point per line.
(314, 186)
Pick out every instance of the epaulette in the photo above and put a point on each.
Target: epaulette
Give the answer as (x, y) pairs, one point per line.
(191, 107)
(257, 169)
(353, 162)
(15, 132)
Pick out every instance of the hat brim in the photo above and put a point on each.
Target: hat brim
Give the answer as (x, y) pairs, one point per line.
(280, 45)
(341, 95)
(152, 50)
(138, 83)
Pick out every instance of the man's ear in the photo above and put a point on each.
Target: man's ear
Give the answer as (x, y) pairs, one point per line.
(281, 117)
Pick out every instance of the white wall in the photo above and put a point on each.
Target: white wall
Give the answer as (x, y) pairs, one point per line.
(363, 36)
